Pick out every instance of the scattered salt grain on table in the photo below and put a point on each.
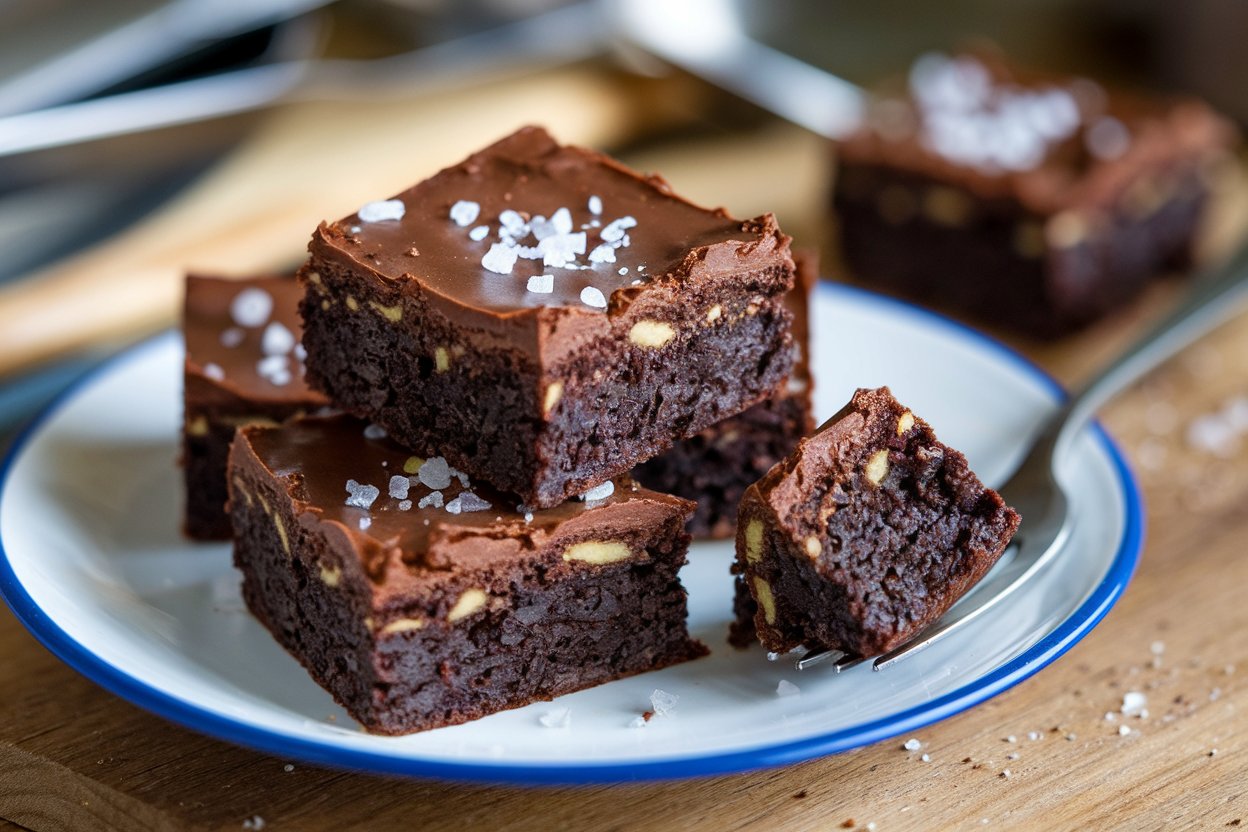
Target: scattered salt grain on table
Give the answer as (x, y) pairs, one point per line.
(912, 744)
(1133, 702)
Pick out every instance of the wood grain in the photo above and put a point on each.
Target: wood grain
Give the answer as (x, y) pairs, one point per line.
(65, 743)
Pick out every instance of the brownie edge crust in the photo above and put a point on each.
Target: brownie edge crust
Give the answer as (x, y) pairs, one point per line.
(868, 533)
(485, 612)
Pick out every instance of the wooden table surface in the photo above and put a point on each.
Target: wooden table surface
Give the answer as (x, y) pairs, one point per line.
(75, 757)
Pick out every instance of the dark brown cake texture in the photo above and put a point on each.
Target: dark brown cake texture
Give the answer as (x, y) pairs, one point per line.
(545, 317)
(419, 598)
(867, 534)
(1033, 202)
(243, 366)
(715, 467)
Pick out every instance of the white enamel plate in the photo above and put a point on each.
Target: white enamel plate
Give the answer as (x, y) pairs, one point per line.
(93, 564)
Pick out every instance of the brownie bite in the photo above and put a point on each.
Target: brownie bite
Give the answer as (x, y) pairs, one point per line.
(242, 367)
(865, 535)
(1032, 202)
(419, 597)
(545, 317)
(715, 467)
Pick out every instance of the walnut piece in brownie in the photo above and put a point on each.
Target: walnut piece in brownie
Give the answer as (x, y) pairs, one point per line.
(865, 535)
(243, 366)
(1038, 203)
(715, 467)
(420, 598)
(545, 317)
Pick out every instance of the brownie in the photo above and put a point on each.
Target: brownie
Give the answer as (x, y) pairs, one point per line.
(420, 598)
(715, 467)
(545, 317)
(866, 534)
(1033, 202)
(242, 367)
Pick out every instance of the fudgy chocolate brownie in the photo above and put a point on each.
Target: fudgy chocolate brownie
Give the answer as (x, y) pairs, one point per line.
(243, 366)
(1033, 202)
(715, 467)
(420, 598)
(866, 534)
(545, 317)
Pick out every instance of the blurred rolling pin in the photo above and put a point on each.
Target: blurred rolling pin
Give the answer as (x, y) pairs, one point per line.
(309, 162)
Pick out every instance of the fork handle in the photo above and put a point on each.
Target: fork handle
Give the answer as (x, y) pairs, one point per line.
(1217, 297)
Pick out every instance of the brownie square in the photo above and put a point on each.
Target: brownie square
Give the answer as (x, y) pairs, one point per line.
(545, 317)
(867, 534)
(715, 467)
(242, 367)
(1033, 202)
(419, 598)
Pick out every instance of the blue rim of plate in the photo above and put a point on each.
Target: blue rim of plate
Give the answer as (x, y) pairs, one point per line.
(1069, 632)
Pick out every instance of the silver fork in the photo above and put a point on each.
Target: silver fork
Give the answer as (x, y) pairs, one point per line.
(1034, 489)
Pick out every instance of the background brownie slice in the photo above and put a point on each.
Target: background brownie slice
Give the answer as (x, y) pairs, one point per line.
(545, 317)
(420, 598)
(1034, 202)
(242, 367)
(715, 467)
(866, 534)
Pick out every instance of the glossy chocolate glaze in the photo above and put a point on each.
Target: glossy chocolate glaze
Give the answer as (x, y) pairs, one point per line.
(528, 172)
(316, 456)
(207, 319)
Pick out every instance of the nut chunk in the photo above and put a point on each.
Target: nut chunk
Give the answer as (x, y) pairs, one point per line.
(865, 535)
(545, 317)
(419, 597)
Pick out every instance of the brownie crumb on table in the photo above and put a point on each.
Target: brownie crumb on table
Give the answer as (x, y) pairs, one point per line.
(546, 318)
(1037, 203)
(244, 365)
(865, 535)
(416, 613)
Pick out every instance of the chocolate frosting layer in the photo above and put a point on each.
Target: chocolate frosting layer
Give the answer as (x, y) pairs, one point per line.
(316, 456)
(547, 185)
(221, 350)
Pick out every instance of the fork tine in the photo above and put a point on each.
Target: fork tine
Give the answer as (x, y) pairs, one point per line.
(811, 659)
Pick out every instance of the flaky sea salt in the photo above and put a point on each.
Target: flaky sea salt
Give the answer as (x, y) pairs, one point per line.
(479, 233)
(274, 369)
(591, 296)
(787, 688)
(374, 432)
(251, 307)
(1133, 702)
(500, 259)
(433, 498)
(599, 492)
(663, 702)
(365, 522)
(556, 718)
(595, 205)
(399, 486)
(602, 254)
(541, 284)
(466, 502)
(435, 473)
(277, 339)
(405, 505)
(381, 210)
(214, 371)
(613, 231)
(231, 337)
(465, 212)
(912, 744)
(361, 496)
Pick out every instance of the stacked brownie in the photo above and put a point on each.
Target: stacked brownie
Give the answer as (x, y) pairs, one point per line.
(1033, 202)
(508, 339)
(244, 365)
